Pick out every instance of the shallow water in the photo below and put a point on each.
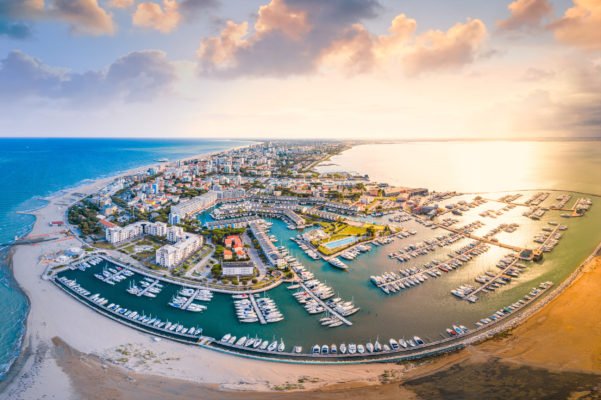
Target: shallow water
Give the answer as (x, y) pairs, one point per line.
(33, 168)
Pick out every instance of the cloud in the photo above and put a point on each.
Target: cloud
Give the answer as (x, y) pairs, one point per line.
(278, 16)
(136, 77)
(292, 37)
(152, 16)
(192, 8)
(437, 50)
(121, 3)
(526, 14)
(357, 50)
(287, 38)
(85, 17)
(581, 25)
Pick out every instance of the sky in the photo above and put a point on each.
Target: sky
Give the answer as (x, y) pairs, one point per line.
(352, 69)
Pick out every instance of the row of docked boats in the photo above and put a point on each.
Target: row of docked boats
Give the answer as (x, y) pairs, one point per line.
(251, 309)
(74, 286)
(562, 200)
(112, 275)
(393, 282)
(535, 292)
(148, 287)
(457, 330)
(425, 247)
(84, 265)
(155, 322)
(392, 346)
(256, 343)
(309, 251)
(131, 315)
(491, 281)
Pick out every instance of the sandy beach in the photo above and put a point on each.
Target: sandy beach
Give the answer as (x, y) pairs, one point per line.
(69, 349)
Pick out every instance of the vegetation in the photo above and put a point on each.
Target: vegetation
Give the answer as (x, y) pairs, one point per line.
(84, 216)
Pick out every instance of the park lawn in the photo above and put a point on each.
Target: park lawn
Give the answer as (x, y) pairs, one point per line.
(104, 245)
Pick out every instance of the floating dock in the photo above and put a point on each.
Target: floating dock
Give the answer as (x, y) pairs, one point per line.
(325, 306)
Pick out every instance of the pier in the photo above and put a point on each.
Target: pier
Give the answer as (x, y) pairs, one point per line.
(147, 288)
(190, 300)
(550, 237)
(112, 277)
(492, 280)
(434, 267)
(326, 307)
(257, 311)
(480, 239)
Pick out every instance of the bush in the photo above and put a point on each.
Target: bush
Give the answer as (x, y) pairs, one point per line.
(254, 280)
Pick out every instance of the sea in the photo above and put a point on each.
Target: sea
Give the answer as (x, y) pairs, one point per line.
(40, 167)
(37, 168)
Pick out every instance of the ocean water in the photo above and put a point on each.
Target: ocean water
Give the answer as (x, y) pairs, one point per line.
(478, 166)
(36, 168)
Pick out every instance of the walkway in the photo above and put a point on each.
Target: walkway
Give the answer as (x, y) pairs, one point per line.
(257, 310)
(147, 288)
(323, 304)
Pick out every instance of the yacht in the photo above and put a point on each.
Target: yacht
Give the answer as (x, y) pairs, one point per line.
(352, 348)
(377, 346)
(360, 349)
(315, 349)
(343, 348)
(370, 347)
(394, 345)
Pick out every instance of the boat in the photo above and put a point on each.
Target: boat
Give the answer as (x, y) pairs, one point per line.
(315, 349)
(224, 339)
(272, 346)
(264, 345)
(403, 343)
(343, 348)
(418, 340)
(333, 349)
(377, 346)
(352, 348)
(370, 347)
(394, 345)
(281, 346)
(325, 349)
(360, 349)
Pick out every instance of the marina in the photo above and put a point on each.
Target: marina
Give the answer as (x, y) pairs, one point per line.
(338, 309)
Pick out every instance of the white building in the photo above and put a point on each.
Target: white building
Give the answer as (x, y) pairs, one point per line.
(117, 234)
(173, 254)
(183, 210)
(175, 233)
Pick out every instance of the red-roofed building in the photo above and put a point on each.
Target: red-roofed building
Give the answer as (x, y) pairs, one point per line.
(233, 241)
(106, 224)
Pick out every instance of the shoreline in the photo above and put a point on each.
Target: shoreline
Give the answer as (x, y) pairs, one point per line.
(10, 247)
(275, 369)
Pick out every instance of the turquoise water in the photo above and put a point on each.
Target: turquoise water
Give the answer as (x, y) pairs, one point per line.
(34, 168)
(425, 310)
(340, 242)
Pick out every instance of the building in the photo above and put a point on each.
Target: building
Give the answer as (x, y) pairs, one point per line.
(184, 210)
(237, 268)
(171, 255)
(274, 257)
(116, 235)
(174, 233)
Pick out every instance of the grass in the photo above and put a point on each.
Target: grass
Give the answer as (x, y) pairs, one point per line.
(104, 245)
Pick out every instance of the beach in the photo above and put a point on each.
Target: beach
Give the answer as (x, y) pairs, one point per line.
(64, 335)
(68, 349)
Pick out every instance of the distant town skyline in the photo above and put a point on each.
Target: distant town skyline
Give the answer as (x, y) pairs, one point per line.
(341, 69)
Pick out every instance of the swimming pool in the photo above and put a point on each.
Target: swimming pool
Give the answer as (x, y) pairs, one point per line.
(340, 242)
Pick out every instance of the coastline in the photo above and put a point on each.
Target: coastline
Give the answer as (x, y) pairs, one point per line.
(53, 327)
